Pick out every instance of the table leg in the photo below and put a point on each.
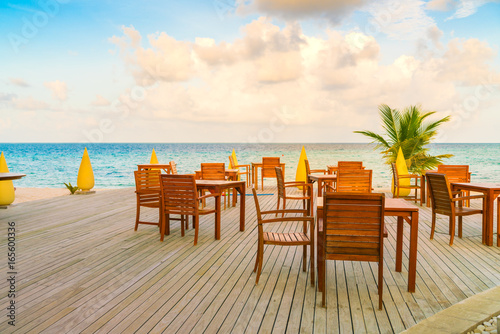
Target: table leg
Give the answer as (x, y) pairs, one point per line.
(217, 213)
(399, 244)
(498, 223)
(242, 208)
(412, 267)
(320, 263)
(320, 187)
(490, 204)
(255, 177)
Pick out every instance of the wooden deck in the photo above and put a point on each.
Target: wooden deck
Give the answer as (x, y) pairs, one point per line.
(81, 268)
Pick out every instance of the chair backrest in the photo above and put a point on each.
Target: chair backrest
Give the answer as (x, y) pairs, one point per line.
(179, 194)
(308, 167)
(353, 226)
(173, 167)
(440, 193)
(148, 179)
(280, 181)
(354, 180)
(231, 163)
(395, 177)
(213, 171)
(455, 173)
(350, 165)
(268, 164)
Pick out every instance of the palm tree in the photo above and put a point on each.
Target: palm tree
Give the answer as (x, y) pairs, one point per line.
(410, 131)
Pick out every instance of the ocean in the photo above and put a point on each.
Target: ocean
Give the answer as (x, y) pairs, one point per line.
(50, 165)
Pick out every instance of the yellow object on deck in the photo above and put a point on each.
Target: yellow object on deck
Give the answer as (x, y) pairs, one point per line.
(154, 159)
(85, 179)
(301, 174)
(235, 161)
(402, 170)
(7, 194)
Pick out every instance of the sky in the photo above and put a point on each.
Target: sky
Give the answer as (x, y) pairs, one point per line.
(303, 71)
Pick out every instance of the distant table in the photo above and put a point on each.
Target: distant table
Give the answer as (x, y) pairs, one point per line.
(164, 167)
(311, 178)
(230, 173)
(11, 176)
(216, 186)
(492, 191)
(397, 207)
(255, 172)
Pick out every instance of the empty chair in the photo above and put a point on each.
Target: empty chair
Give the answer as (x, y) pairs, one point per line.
(307, 193)
(173, 168)
(416, 186)
(444, 203)
(180, 197)
(350, 165)
(214, 171)
(245, 171)
(268, 164)
(304, 238)
(148, 194)
(456, 173)
(353, 230)
(354, 180)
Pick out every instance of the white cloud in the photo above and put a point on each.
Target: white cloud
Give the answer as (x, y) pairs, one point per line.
(441, 5)
(59, 89)
(100, 101)
(19, 82)
(29, 103)
(466, 8)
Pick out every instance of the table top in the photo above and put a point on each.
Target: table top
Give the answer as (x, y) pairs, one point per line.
(258, 164)
(322, 177)
(218, 183)
(481, 185)
(11, 176)
(226, 170)
(391, 204)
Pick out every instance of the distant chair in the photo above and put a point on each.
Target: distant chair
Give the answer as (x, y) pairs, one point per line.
(412, 186)
(245, 172)
(148, 194)
(215, 171)
(173, 168)
(307, 192)
(313, 171)
(350, 165)
(268, 164)
(304, 238)
(444, 202)
(457, 173)
(180, 197)
(353, 230)
(354, 180)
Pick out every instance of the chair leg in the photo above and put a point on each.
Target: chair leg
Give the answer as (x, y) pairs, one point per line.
(137, 215)
(257, 257)
(322, 272)
(312, 264)
(262, 182)
(278, 206)
(162, 227)
(460, 226)
(304, 258)
(261, 259)
(433, 224)
(380, 282)
(182, 226)
(284, 206)
(452, 226)
(196, 227)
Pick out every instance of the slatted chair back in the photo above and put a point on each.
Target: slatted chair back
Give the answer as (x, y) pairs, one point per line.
(440, 193)
(455, 173)
(354, 180)
(280, 181)
(179, 194)
(147, 185)
(353, 226)
(213, 171)
(395, 174)
(268, 166)
(173, 167)
(232, 165)
(308, 167)
(350, 165)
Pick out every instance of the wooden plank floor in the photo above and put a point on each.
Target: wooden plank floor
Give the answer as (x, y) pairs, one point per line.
(82, 269)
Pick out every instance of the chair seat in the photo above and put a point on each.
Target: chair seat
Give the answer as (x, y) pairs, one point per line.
(297, 238)
(466, 211)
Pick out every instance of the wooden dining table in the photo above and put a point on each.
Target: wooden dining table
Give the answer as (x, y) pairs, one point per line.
(396, 207)
(165, 167)
(255, 172)
(311, 178)
(491, 192)
(218, 186)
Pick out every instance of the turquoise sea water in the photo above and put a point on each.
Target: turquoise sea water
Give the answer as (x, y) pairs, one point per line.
(50, 165)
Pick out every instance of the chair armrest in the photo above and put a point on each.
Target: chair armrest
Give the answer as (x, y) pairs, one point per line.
(294, 183)
(288, 219)
(208, 195)
(324, 171)
(242, 166)
(456, 199)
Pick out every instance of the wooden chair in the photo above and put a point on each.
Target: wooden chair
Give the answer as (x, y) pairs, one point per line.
(148, 194)
(413, 186)
(353, 228)
(180, 196)
(457, 173)
(354, 180)
(215, 171)
(350, 165)
(307, 193)
(173, 168)
(312, 171)
(444, 203)
(304, 238)
(245, 172)
(268, 169)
